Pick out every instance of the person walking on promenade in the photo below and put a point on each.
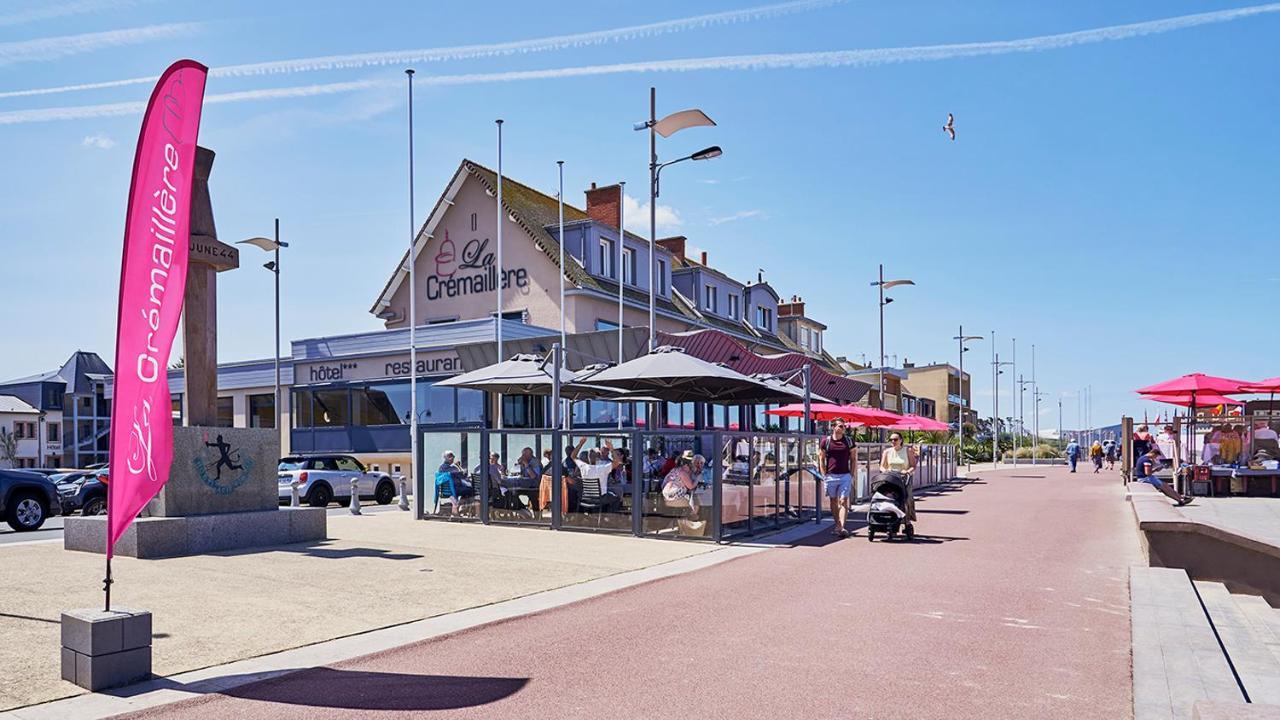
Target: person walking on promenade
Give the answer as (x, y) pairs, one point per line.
(1111, 450)
(1095, 454)
(835, 457)
(1144, 469)
(1073, 453)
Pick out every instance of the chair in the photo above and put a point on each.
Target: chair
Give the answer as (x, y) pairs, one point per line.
(592, 500)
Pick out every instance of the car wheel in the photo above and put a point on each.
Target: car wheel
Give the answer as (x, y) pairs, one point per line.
(95, 506)
(345, 501)
(27, 512)
(320, 496)
(385, 493)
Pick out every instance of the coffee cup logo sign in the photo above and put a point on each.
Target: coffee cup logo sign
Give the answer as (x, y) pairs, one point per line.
(452, 278)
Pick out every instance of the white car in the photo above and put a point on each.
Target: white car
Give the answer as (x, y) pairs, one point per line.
(325, 478)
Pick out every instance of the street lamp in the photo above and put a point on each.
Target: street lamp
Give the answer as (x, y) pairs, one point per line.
(666, 127)
(995, 417)
(273, 245)
(883, 284)
(962, 339)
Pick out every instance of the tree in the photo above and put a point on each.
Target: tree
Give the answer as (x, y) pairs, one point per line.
(8, 447)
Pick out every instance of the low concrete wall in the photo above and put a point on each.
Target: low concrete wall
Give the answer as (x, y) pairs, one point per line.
(158, 537)
(1206, 551)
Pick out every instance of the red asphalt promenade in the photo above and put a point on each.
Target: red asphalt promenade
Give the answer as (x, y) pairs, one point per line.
(1012, 603)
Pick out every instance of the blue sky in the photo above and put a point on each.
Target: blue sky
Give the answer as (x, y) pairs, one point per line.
(1112, 202)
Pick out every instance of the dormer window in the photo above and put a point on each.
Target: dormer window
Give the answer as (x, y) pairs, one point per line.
(606, 258)
(733, 307)
(713, 299)
(764, 318)
(629, 265)
(662, 277)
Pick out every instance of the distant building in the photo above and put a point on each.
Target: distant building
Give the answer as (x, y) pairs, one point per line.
(73, 414)
(21, 421)
(943, 384)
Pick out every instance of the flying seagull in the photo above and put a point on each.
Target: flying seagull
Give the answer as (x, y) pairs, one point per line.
(950, 127)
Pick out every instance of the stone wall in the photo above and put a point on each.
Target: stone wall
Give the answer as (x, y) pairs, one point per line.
(220, 470)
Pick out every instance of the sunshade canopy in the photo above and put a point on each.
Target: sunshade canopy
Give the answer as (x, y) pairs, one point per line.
(870, 417)
(523, 375)
(1203, 400)
(917, 422)
(669, 374)
(1270, 385)
(1195, 383)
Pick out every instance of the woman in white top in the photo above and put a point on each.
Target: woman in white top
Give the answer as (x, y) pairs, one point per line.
(900, 458)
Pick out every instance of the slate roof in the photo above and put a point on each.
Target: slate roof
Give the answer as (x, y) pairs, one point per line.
(11, 404)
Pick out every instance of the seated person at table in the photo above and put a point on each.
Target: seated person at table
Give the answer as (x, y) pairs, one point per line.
(669, 463)
(653, 462)
(1143, 471)
(530, 468)
(452, 479)
(679, 485)
(599, 467)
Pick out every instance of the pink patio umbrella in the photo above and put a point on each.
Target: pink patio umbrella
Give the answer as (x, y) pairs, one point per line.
(1203, 400)
(870, 417)
(1191, 386)
(917, 422)
(1271, 386)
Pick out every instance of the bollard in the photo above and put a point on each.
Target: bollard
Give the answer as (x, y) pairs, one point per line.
(404, 493)
(355, 497)
(293, 499)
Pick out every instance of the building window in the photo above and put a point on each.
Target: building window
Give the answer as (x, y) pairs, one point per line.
(470, 406)
(606, 325)
(629, 265)
(53, 430)
(330, 408)
(662, 277)
(18, 430)
(733, 307)
(262, 411)
(764, 318)
(804, 338)
(606, 258)
(712, 301)
(226, 413)
(383, 404)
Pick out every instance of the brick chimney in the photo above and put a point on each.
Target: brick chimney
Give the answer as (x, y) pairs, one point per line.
(795, 307)
(704, 258)
(674, 245)
(604, 205)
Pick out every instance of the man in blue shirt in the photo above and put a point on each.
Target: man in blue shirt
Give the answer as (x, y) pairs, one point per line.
(1073, 453)
(1144, 471)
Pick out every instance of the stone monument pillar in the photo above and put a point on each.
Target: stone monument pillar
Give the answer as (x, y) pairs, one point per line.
(207, 258)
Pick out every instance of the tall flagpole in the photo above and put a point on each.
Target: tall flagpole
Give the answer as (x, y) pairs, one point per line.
(501, 216)
(413, 310)
(653, 212)
(622, 239)
(560, 197)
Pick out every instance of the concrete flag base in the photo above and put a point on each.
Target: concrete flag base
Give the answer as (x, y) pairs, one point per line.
(103, 649)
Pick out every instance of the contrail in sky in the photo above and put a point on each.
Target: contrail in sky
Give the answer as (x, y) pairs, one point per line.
(53, 48)
(837, 58)
(466, 52)
(57, 10)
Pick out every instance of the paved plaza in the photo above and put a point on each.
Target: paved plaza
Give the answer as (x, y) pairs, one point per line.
(1013, 602)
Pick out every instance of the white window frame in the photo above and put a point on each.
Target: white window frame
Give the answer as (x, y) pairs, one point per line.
(605, 258)
(629, 266)
(662, 277)
(733, 306)
(764, 319)
(711, 296)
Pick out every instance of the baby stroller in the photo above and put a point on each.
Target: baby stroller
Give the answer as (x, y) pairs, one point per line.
(888, 509)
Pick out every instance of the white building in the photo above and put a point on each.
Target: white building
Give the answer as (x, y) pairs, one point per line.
(21, 420)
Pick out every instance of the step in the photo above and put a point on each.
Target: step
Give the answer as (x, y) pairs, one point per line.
(1256, 665)
(1265, 619)
(1176, 656)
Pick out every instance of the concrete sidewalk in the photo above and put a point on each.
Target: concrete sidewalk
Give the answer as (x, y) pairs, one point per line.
(375, 571)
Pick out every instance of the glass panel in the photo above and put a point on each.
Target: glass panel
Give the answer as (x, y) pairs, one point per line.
(262, 411)
(520, 478)
(331, 407)
(226, 412)
(677, 498)
(766, 496)
(600, 488)
(302, 416)
(735, 461)
(448, 484)
(470, 406)
(435, 404)
(382, 404)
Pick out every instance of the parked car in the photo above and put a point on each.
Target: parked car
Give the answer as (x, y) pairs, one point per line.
(323, 478)
(82, 490)
(27, 499)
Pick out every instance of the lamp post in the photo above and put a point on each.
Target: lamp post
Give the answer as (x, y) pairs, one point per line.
(962, 339)
(995, 418)
(666, 127)
(273, 245)
(1013, 371)
(883, 284)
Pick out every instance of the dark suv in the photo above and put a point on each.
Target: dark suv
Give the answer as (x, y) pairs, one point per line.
(27, 499)
(82, 490)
